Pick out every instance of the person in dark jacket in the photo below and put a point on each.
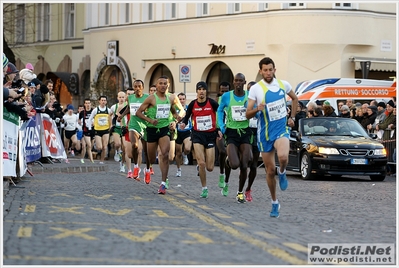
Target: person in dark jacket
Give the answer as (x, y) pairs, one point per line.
(301, 113)
(345, 112)
(328, 110)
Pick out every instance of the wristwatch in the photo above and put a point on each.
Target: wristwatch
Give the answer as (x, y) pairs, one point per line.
(293, 119)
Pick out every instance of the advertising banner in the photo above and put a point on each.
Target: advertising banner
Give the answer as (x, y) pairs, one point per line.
(10, 138)
(52, 145)
(31, 139)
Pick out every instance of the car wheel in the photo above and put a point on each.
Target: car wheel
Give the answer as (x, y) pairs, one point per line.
(377, 177)
(306, 167)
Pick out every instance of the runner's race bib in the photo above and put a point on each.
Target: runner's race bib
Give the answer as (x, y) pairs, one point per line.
(238, 113)
(162, 111)
(253, 122)
(204, 123)
(276, 110)
(133, 108)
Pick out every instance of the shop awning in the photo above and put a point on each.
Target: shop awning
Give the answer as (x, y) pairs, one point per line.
(377, 64)
(69, 79)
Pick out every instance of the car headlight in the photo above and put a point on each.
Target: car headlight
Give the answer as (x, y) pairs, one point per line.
(380, 152)
(324, 150)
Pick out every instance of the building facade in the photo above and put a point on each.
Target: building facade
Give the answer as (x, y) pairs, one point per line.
(99, 49)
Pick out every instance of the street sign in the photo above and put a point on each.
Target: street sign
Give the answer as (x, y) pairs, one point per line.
(185, 73)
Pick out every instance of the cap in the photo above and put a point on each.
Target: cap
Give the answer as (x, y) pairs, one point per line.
(391, 103)
(201, 84)
(381, 104)
(345, 108)
(31, 84)
(318, 102)
(29, 66)
(373, 108)
(326, 103)
(36, 81)
(300, 104)
(70, 107)
(12, 69)
(5, 60)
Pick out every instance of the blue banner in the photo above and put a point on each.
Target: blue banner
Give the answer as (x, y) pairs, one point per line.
(31, 139)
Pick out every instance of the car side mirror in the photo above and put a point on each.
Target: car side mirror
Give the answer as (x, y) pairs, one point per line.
(373, 136)
(295, 134)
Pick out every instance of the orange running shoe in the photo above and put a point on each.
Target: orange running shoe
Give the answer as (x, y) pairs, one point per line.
(130, 174)
(147, 177)
(151, 171)
(136, 171)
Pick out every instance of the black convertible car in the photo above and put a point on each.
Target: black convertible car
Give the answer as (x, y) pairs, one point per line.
(335, 146)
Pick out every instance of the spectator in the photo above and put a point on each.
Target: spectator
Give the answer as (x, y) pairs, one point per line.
(380, 116)
(311, 107)
(372, 115)
(350, 104)
(328, 110)
(390, 119)
(345, 111)
(29, 66)
(300, 113)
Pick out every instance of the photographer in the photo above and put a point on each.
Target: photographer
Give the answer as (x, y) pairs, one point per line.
(54, 110)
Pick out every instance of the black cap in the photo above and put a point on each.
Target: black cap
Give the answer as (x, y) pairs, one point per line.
(201, 84)
(301, 104)
(373, 108)
(391, 103)
(381, 104)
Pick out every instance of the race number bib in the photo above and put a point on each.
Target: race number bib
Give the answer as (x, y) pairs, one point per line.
(253, 122)
(276, 110)
(238, 113)
(86, 122)
(133, 108)
(162, 111)
(204, 123)
(103, 121)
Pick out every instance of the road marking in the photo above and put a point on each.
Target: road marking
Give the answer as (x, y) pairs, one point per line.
(60, 194)
(296, 246)
(77, 233)
(180, 195)
(205, 207)
(24, 232)
(134, 198)
(277, 252)
(99, 197)
(266, 235)
(191, 201)
(70, 210)
(30, 208)
(31, 193)
(221, 215)
(109, 212)
(241, 224)
(147, 237)
(162, 214)
(199, 239)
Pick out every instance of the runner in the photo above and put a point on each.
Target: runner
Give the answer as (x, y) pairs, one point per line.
(183, 139)
(269, 96)
(70, 121)
(116, 130)
(88, 135)
(202, 112)
(161, 111)
(238, 136)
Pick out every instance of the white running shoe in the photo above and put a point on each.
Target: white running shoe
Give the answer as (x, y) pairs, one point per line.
(185, 159)
(122, 169)
(178, 173)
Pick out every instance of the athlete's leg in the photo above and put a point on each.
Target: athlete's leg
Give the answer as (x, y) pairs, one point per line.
(164, 145)
(270, 166)
(200, 156)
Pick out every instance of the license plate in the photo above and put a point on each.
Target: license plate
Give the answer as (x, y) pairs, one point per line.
(356, 161)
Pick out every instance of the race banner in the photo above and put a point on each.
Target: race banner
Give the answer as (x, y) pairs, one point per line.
(52, 145)
(10, 148)
(31, 139)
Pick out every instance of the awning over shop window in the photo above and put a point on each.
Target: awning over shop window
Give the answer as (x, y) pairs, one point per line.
(70, 80)
(377, 64)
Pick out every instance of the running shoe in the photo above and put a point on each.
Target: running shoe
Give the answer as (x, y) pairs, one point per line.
(162, 189)
(225, 190)
(240, 198)
(185, 159)
(116, 156)
(151, 171)
(282, 179)
(67, 161)
(72, 153)
(130, 174)
(221, 180)
(178, 173)
(248, 196)
(204, 193)
(167, 183)
(122, 169)
(82, 161)
(275, 210)
(101, 163)
(147, 177)
(136, 172)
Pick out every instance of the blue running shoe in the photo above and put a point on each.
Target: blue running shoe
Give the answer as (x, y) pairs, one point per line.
(275, 210)
(282, 179)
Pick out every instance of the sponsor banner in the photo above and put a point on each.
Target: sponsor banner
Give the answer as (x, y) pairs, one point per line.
(52, 145)
(361, 253)
(31, 139)
(10, 148)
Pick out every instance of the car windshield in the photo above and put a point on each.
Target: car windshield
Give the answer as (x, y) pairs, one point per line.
(331, 126)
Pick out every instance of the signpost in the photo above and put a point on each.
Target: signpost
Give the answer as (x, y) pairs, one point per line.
(185, 74)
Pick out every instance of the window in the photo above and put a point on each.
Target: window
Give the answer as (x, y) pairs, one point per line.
(69, 20)
(233, 8)
(170, 10)
(343, 5)
(20, 29)
(106, 14)
(127, 13)
(43, 22)
(293, 5)
(148, 12)
(263, 6)
(202, 9)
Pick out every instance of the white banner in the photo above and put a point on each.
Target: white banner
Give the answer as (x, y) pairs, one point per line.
(52, 145)
(10, 138)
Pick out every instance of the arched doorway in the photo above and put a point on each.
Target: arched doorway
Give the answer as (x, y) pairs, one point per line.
(109, 84)
(160, 70)
(219, 72)
(85, 82)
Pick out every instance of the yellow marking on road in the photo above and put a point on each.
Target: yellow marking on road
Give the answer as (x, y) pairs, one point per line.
(221, 215)
(147, 237)
(296, 247)
(109, 212)
(70, 210)
(99, 197)
(277, 252)
(266, 235)
(241, 224)
(61, 194)
(31, 193)
(191, 201)
(162, 214)
(77, 233)
(135, 198)
(205, 207)
(24, 232)
(199, 239)
(180, 195)
(30, 208)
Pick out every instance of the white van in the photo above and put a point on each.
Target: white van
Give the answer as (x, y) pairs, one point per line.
(336, 90)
